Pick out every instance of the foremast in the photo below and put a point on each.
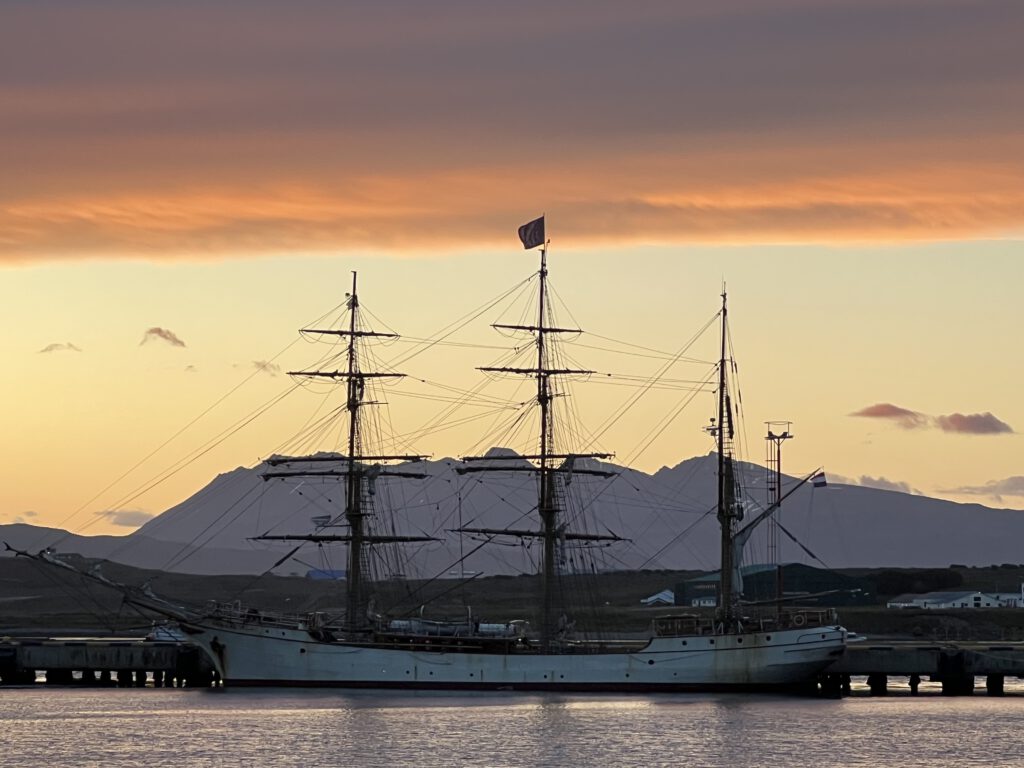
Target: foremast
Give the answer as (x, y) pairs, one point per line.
(359, 470)
(546, 462)
(730, 510)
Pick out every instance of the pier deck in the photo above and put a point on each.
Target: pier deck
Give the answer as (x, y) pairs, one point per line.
(122, 661)
(955, 665)
(908, 658)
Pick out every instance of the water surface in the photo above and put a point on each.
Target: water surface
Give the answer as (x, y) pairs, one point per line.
(159, 727)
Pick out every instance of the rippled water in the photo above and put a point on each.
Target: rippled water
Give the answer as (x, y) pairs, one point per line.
(159, 727)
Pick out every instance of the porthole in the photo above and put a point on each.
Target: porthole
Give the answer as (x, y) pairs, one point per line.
(650, 661)
(711, 642)
(302, 650)
(684, 642)
(739, 639)
(768, 638)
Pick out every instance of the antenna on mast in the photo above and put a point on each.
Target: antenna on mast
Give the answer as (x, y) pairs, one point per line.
(778, 433)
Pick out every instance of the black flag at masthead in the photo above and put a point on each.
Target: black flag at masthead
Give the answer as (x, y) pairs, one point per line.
(532, 233)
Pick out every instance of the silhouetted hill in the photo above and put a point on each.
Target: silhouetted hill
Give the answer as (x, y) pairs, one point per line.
(668, 518)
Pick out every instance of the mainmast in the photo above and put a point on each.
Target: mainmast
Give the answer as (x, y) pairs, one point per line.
(355, 602)
(548, 504)
(355, 468)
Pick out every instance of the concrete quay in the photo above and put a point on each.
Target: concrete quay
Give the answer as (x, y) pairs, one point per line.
(954, 665)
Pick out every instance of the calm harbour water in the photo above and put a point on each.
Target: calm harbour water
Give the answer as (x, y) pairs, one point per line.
(159, 727)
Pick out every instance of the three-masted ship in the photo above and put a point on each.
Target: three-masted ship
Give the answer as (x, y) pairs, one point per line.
(727, 651)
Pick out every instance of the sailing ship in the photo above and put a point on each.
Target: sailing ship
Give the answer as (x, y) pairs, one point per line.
(730, 650)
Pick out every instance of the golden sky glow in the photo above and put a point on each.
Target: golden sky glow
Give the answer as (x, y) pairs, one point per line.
(852, 168)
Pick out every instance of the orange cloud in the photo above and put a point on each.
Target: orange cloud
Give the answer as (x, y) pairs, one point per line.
(474, 208)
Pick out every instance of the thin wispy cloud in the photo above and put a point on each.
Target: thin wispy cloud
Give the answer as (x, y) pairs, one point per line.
(973, 424)
(271, 369)
(957, 423)
(884, 484)
(163, 334)
(904, 417)
(995, 489)
(867, 481)
(58, 347)
(128, 518)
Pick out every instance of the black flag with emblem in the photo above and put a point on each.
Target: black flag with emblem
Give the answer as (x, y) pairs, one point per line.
(532, 233)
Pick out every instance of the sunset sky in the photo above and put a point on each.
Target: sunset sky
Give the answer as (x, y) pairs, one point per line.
(184, 185)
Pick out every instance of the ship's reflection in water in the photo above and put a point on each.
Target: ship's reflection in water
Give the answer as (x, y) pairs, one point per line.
(158, 727)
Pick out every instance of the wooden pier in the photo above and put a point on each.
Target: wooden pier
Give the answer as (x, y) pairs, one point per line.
(122, 662)
(954, 665)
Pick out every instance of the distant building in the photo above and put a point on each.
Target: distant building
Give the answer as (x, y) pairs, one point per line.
(706, 601)
(1010, 599)
(325, 574)
(801, 584)
(946, 600)
(461, 574)
(665, 597)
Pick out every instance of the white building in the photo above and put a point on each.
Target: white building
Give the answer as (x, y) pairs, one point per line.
(665, 597)
(940, 600)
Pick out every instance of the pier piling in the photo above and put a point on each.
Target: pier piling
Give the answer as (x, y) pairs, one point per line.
(914, 682)
(879, 684)
(958, 685)
(994, 685)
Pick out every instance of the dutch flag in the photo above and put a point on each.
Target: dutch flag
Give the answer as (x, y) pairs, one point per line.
(819, 480)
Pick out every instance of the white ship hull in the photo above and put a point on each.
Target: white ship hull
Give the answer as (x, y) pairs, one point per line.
(260, 656)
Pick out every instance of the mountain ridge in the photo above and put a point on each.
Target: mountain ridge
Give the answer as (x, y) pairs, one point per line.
(843, 525)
